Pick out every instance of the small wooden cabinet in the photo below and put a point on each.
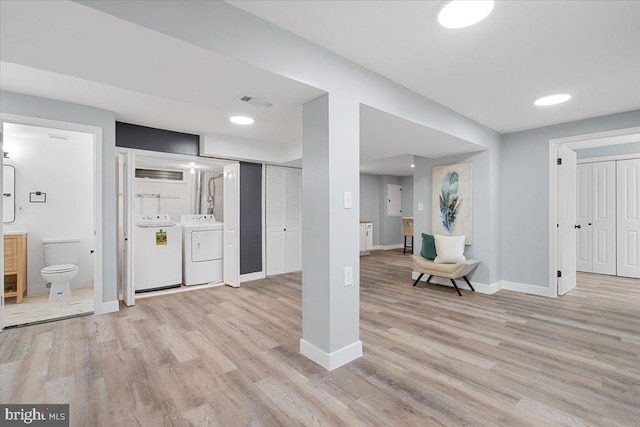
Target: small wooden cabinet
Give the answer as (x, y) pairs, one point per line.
(15, 266)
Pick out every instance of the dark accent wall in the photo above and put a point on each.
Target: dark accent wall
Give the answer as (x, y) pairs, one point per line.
(250, 217)
(152, 139)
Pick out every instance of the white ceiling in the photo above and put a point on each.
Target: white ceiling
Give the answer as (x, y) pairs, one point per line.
(493, 71)
(66, 51)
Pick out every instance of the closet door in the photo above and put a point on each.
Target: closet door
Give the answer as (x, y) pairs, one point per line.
(628, 185)
(293, 220)
(604, 218)
(584, 254)
(276, 198)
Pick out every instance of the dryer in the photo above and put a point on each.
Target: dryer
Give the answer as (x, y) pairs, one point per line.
(202, 249)
(157, 246)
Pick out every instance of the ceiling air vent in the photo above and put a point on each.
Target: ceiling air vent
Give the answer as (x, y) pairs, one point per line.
(256, 101)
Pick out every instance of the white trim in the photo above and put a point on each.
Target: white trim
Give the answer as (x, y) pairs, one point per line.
(479, 287)
(96, 131)
(598, 139)
(248, 277)
(331, 361)
(609, 158)
(143, 295)
(387, 247)
(525, 288)
(109, 307)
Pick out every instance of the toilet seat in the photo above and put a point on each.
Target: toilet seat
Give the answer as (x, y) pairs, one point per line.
(59, 268)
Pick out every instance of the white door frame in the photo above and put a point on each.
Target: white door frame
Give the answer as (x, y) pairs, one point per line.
(96, 131)
(598, 139)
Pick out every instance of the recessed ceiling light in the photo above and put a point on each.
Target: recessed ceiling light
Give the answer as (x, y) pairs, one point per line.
(241, 120)
(463, 13)
(192, 164)
(412, 165)
(545, 101)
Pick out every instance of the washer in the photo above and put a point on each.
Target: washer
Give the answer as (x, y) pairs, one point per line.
(157, 251)
(202, 252)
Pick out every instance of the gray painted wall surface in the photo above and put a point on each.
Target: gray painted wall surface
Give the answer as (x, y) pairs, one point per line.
(525, 194)
(610, 150)
(31, 106)
(407, 195)
(370, 203)
(390, 228)
(482, 209)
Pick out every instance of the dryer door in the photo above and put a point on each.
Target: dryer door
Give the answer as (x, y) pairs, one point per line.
(206, 245)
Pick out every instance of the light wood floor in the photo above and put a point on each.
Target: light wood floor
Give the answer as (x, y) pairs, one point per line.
(229, 357)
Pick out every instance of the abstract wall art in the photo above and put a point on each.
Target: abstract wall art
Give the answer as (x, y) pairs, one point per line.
(452, 201)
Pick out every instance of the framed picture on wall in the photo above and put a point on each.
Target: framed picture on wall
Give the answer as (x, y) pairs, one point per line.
(452, 201)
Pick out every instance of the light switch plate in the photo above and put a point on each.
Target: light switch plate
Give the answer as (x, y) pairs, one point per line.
(347, 200)
(420, 206)
(348, 276)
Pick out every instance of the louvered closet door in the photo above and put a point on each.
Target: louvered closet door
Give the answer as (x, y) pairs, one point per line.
(584, 253)
(628, 190)
(275, 201)
(604, 218)
(293, 220)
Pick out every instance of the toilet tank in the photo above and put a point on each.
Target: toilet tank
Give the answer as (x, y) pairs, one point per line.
(60, 251)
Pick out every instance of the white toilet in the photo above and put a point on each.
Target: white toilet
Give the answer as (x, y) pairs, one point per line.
(61, 266)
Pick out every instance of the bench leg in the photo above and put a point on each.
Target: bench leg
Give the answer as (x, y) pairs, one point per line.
(455, 286)
(468, 283)
(418, 279)
(429, 278)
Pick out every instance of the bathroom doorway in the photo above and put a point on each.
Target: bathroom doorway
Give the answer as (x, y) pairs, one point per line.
(50, 221)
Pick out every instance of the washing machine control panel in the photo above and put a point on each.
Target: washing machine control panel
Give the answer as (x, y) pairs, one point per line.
(160, 219)
(197, 219)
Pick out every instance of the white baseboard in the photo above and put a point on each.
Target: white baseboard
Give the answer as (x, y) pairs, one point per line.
(387, 247)
(479, 287)
(331, 361)
(110, 307)
(525, 288)
(252, 276)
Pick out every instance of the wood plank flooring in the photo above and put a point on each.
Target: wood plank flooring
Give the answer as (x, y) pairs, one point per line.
(230, 357)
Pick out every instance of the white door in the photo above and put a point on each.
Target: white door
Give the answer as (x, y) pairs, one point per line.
(2, 233)
(275, 200)
(567, 174)
(628, 186)
(231, 209)
(604, 218)
(584, 218)
(394, 200)
(128, 161)
(368, 237)
(363, 242)
(293, 220)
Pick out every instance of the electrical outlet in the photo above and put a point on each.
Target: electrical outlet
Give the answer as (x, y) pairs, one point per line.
(420, 206)
(348, 276)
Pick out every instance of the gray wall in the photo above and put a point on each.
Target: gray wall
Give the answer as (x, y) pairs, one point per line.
(370, 203)
(373, 195)
(390, 229)
(525, 194)
(610, 150)
(407, 195)
(25, 105)
(482, 208)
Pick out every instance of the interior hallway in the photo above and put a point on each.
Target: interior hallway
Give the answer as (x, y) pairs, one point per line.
(225, 356)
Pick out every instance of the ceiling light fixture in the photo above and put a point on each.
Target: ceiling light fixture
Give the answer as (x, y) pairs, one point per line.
(412, 165)
(463, 13)
(559, 98)
(241, 120)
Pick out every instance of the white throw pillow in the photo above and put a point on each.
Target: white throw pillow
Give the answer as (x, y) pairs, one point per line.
(449, 249)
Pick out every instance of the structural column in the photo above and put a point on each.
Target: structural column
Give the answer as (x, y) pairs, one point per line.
(330, 246)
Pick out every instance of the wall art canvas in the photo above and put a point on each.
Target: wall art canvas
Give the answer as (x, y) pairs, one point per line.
(452, 201)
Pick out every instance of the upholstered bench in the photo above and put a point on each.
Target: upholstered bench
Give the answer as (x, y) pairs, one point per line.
(449, 271)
